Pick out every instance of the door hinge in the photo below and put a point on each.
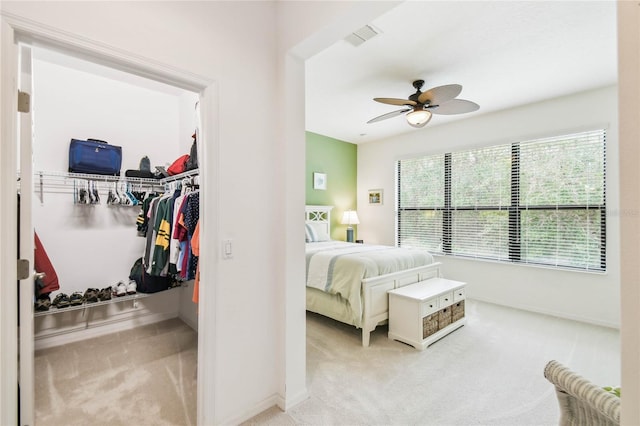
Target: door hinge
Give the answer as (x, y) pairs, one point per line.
(23, 269)
(24, 101)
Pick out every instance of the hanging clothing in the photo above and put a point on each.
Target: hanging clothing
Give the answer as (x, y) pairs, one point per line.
(182, 235)
(142, 221)
(162, 229)
(174, 242)
(171, 220)
(191, 217)
(195, 249)
(42, 264)
(151, 234)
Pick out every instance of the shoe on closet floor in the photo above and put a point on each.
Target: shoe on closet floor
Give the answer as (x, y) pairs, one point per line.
(105, 294)
(121, 289)
(132, 287)
(76, 298)
(61, 301)
(91, 295)
(42, 303)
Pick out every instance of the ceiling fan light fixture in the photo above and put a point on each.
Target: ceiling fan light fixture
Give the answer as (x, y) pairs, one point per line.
(418, 118)
(421, 105)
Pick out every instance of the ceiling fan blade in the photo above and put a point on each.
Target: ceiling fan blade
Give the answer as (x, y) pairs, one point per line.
(395, 101)
(455, 106)
(389, 115)
(439, 95)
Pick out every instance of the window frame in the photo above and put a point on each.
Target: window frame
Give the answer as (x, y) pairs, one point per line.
(515, 209)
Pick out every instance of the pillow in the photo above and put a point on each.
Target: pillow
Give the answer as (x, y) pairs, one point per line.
(315, 232)
(310, 233)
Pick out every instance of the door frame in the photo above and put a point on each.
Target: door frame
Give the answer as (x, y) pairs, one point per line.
(15, 30)
(26, 242)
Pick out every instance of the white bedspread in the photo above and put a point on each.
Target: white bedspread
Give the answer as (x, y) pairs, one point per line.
(338, 267)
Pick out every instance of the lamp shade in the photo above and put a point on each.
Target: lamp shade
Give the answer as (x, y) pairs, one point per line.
(350, 217)
(418, 117)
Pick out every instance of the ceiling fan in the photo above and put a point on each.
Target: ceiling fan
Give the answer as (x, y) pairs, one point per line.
(421, 105)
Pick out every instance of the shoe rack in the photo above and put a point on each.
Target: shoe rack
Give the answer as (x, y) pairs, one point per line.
(133, 298)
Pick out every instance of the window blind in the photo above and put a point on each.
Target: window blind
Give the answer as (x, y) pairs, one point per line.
(538, 202)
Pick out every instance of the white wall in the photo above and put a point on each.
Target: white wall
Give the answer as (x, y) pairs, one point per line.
(71, 102)
(590, 297)
(213, 40)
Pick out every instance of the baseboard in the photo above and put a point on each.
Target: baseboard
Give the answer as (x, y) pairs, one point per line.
(275, 400)
(97, 330)
(188, 309)
(187, 320)
(286, 404)
(257, 409)
(557, 314)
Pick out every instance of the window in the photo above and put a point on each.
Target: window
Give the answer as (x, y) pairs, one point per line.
(538, 202)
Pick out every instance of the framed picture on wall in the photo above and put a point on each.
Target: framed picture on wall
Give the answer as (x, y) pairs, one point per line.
(320, 181)
(375, 196)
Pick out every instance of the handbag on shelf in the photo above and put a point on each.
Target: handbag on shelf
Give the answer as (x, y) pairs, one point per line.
(94, 156)
(178, 166)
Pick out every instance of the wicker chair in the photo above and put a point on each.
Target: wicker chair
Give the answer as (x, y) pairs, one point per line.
(581, 402)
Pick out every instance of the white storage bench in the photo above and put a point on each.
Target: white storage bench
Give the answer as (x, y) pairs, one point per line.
(421, 313)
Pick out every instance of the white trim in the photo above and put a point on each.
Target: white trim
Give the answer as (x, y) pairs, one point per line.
(258, 408)
(209, 151)
(88, 332)
(549, 312)
(38, 34)
(290, 401)
(291, 367)
(26, 249)
(629, 134)
(24, 30)
(8, 232)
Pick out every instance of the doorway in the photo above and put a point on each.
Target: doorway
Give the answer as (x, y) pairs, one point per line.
(117, 62)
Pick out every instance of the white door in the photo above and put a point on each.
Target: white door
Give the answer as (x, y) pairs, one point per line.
(26, 287)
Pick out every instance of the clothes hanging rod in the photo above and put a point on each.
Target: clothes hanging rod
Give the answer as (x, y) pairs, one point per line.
(109, 178)
(61, 182)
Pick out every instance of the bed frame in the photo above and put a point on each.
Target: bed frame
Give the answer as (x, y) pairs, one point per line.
(374, 289)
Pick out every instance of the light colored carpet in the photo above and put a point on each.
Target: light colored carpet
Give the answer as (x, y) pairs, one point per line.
(142, 376)
(489, 372)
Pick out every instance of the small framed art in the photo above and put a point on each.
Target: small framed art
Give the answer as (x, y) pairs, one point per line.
(375, 196)
(320, 181)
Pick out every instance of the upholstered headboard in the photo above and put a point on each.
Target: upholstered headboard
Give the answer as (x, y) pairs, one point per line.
(319, 218)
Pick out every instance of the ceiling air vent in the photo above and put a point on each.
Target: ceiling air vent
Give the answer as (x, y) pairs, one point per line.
(363, 34)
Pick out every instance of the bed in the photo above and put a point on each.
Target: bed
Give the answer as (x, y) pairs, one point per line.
(348, 282)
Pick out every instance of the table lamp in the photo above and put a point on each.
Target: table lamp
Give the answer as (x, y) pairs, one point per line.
(350, 217)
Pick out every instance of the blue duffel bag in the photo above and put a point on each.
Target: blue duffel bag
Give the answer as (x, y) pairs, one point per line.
(94, 156)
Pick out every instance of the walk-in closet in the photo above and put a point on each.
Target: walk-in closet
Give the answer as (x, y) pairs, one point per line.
(117, 357)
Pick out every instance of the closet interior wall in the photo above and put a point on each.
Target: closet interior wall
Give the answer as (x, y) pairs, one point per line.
(95, 245)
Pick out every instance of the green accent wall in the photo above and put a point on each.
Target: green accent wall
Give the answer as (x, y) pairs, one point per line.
(339, 161)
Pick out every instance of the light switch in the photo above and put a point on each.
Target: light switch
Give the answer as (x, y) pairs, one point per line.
(227, 249)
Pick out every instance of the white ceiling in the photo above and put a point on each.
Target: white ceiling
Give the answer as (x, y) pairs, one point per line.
(503, 53)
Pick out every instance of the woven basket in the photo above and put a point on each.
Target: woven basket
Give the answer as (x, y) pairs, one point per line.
(444, 317)
(457, 311)
(581, 401)
(429, 325)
